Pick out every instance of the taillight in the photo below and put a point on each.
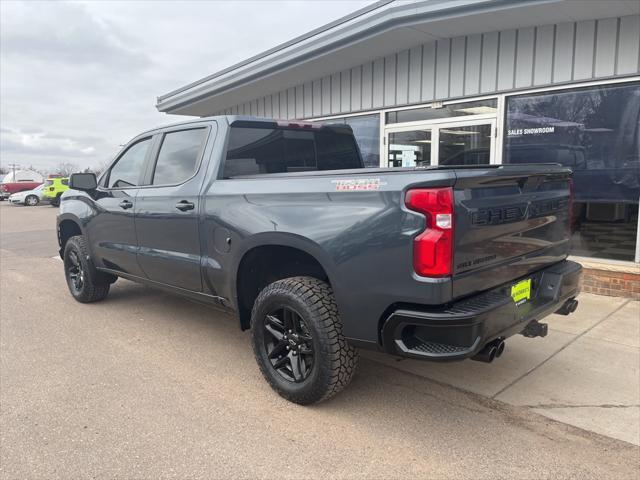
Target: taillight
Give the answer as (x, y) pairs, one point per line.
(433, 248)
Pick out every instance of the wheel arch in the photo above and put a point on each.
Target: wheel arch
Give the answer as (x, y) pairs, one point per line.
(68, 226)
(267, 258)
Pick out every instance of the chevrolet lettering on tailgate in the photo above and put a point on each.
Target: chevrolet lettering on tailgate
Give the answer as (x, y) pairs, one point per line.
(513, 213)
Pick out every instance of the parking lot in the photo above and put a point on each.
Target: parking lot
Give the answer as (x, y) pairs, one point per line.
(147, 385)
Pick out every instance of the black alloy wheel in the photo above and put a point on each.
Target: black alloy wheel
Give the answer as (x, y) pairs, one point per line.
(75, 272)
(297, 340)
(289, 344)
(85, 283)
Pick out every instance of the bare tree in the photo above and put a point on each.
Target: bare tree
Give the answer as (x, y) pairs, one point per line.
(101, 167)
(66, 168)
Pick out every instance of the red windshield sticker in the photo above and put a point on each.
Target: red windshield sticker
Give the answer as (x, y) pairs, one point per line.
(357, 184)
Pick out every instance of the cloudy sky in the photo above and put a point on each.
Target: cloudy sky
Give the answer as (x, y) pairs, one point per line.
(78, 79)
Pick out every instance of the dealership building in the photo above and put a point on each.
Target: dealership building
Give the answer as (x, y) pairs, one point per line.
(472, 82)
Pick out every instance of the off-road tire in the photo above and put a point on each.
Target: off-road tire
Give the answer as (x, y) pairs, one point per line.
(335, 360)
(95, 285)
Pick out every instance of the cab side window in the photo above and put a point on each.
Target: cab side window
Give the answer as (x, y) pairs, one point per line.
(128, 169)
(179, 155)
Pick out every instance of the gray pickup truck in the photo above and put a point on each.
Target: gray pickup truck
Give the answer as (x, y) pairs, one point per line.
(280, 224)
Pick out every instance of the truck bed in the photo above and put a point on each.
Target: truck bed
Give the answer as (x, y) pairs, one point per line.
(356, 223)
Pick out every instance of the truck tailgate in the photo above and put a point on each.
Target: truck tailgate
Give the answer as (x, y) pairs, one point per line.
(510, 221)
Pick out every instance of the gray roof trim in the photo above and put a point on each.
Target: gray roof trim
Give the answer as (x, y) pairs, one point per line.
(282, 46)
(317, 42)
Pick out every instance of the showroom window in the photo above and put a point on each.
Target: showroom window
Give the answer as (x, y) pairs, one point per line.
(366, 129)
(595, 131)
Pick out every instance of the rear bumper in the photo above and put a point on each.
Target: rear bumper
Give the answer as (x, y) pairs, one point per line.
(460, 330)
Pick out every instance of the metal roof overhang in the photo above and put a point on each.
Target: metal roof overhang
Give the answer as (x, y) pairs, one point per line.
(373, 32)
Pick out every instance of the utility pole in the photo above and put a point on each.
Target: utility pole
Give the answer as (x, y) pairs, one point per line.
(14, 166)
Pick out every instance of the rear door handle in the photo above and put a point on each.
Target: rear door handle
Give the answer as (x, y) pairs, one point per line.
(183, 206)
(126, 204)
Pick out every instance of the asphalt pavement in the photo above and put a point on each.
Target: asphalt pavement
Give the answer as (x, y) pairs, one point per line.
(148, 385)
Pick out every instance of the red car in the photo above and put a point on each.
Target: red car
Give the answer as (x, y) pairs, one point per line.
(19, 181)
(7, 189)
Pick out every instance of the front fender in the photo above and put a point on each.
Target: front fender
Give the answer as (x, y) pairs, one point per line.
(78, 208)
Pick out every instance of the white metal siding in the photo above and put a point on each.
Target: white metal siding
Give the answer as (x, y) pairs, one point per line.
(465, 66)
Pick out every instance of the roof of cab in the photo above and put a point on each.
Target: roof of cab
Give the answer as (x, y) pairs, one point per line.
(230, 119)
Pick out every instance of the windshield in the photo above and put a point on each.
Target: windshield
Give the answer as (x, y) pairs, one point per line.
(48, 183)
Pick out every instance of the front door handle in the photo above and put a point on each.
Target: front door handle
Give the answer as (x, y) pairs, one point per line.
(183, 206)
(126, 204)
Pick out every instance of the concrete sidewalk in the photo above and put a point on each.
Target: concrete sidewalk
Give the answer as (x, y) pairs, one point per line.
(584, 373)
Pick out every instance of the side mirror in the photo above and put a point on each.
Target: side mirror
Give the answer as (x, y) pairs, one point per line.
(83, 181)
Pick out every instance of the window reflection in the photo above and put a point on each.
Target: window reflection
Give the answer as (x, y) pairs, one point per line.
(469, 145)
(366, 129)
(595, 131)
(128, 169)
(410, 149)
(178, 157)
(260, 150)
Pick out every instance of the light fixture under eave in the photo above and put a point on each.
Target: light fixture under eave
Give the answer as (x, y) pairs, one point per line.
(477, 110)
(422, 141)
(458, 132)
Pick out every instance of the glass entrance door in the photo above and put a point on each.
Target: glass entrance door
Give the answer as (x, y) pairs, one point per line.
(465, 145)
(409, 148)
(442, 143)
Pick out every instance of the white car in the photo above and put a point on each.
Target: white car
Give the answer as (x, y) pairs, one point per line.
(30, 198)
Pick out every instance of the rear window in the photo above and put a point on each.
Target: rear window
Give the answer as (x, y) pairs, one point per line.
(253, 151)
(48, 183)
